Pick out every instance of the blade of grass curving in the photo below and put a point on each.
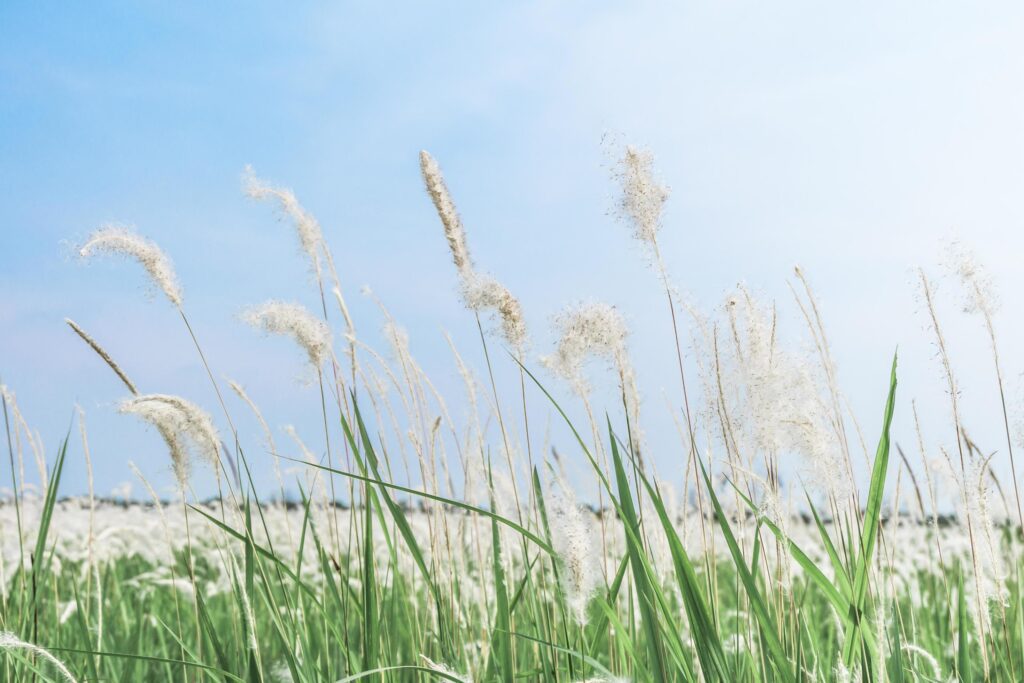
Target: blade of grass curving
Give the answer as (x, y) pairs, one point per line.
(443, 675)
(704, 632)
(644, 587)
(151, 658)
(45, 519)
(768, 628)
(586, 659)
(869, 533)
(211, 633)
(601, 625)
(826, 585)
(518, 528)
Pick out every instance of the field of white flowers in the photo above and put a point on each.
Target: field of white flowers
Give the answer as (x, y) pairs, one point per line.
(423, 547)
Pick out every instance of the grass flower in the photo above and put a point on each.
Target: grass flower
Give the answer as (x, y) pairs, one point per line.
(120, 240)
(186, 428)
(295, 321)
(307, 228)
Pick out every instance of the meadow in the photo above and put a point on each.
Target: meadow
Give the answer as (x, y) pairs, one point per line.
(444, 538)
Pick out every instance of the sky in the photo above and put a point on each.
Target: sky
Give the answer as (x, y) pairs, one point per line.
(851, 140)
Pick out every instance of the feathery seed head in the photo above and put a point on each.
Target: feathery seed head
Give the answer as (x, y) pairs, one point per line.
(9, 641)
(123, 241)
(453, 230)
(482, 293)
(643, 197)
(295, 321)
(585, 331)
(185, 427)
(306, 226)
(573, 540)
(980, 294)
(444, 669)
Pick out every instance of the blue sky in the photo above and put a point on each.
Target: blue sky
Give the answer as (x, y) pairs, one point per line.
(849, 140)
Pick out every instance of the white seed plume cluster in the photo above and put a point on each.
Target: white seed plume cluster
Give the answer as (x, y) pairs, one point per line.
(449, 673)
(643, 197)
(439, 194)
(980, 294)
(480, 292)
(306, 226)
(186, 428)
(123, 241)
(989, 558)
(773, 403)
(573, 539)
(295, 321)
(483, 293)
(594, 330)
(9, 641)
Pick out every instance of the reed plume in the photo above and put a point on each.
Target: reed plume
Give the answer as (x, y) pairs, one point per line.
(643, 196)
(101, 352)
(123, 241)
(573, 540)
(981, 297)
(480, 292)
(295, 321)
(186, 428)
(446, 211)
(9, 641)
(307, 228)
(594, 330)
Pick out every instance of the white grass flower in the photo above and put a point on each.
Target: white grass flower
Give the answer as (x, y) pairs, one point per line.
(186, 428)
(928, 658)
(483, 293)
(449, 673)
(123, 241)
(980, 295)
(453, 230)
(775, 404)
(643, 197)
(594, 330)
(480, 292)
(306, 226)
(573, 540)
(9, 641)
(295, 321)
(584, 332)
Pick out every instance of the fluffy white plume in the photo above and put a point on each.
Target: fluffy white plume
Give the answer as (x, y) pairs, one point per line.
(573, 540)
(293, 320)
(306, 226)
(979, 291)
(185, 427)
(594, 330)
(643, 197)
(775, 404)
(9, 641)
(444, 669)
(482, 293)
(123, 241)
(453, 230)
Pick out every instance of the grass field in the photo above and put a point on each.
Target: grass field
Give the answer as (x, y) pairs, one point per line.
(424, 547)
